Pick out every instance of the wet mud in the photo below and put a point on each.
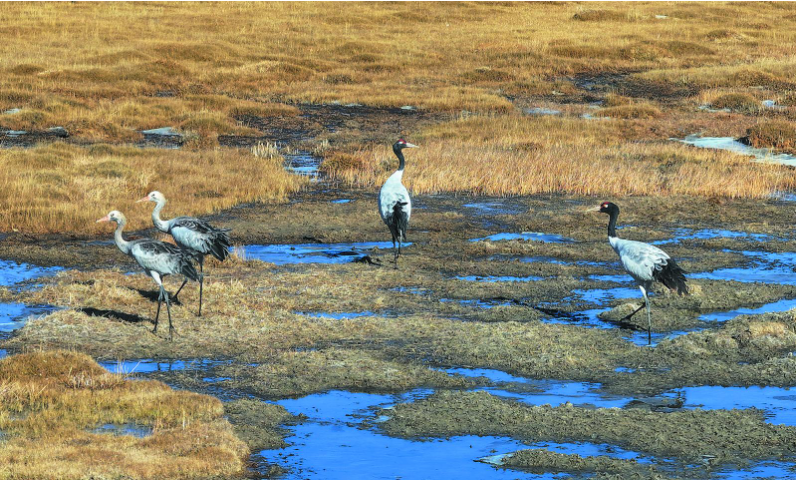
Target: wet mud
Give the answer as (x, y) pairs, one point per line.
(534, 301)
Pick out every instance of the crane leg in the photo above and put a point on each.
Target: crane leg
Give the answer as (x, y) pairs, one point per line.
(649, 316)
(628, 317)
(157, 315)
(174, 297)
(168, 310)
(201, 282)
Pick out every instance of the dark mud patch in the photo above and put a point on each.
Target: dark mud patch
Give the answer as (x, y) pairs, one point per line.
(312, 252)
(734, 433)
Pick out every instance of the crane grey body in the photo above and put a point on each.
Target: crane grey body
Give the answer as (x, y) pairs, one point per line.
(158, 259)
(645, 263)
(193, 235)
(395, 205)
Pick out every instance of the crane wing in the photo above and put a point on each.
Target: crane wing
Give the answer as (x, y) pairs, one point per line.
(641, 260)
(157, 256)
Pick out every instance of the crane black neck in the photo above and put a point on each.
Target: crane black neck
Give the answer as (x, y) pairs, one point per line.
(614, 214)
(400, 156)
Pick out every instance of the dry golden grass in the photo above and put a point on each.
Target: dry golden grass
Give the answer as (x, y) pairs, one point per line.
(513, 155)
(96, 68)
(51, 401)
(775, 134)
(60, 188)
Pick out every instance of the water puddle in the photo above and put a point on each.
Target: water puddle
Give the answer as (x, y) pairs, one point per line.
(12, 273)
(15, 315)
(303, 163)
(540, 111)
(779, 403)
(688, 234)
(493, 278)
(341, 201)
(495, 208)
(532, 236)
(766, 268)
(331, 444)
(542, 392)
(164, 137)
(340, 316)
(732, 145)
(478, 303)
(778, 306)
(133, 429)
(149, 365)
(312, 252)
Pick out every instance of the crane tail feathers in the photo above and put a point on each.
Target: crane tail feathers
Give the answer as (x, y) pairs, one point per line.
(220, 244)
(187, 269)
(672, 276)
(399, 221)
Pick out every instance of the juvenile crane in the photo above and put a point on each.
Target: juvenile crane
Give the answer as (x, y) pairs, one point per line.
(195, 236)
(645, 263)
(158, 259)
(395, 206)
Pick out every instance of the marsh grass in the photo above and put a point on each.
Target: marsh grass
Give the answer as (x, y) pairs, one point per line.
(65, 188)
(51, 401)
(489, 156)
(199, 66)
(778, 134)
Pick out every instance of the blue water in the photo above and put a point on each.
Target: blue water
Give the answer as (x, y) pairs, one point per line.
(148, 365)
(134, 429)
(342, 200)
(14, 315)
(766, 268)
(12, 273)
(478, 303)
(732, 145)
(478, 278)
(778, 306)
(533, 236)
(312, 252)
(330, 444)
(681, 234)
(339, 316)
(495, 208)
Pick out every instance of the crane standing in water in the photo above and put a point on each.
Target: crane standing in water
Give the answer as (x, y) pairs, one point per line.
(395, 205)
(645, 263)
(158, 259)
(195, 236)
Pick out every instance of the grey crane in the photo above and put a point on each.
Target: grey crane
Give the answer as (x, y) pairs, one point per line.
(645, 263)
(158, 259)
(395, 205)
(195, 236)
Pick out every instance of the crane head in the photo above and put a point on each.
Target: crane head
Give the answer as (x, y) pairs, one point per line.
(401, 144)
(607, 207)
(114, 216)
(153, 196)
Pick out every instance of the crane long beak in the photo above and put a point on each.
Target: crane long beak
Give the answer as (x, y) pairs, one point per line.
(409, 145)
(106, 218)
(145, 199)
(593, 209)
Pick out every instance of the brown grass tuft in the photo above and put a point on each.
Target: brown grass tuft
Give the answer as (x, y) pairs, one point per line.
(739, 102)
(777, 134)
(64, 188)
(51, 401)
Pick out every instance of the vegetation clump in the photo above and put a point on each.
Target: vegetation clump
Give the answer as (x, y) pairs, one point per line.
(739, 102)
(52, 402)
(777, 134)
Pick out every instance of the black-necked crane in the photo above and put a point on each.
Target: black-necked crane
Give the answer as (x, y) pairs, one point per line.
(395, 205)
(195, 236)
(645, 263)
(158, 259)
